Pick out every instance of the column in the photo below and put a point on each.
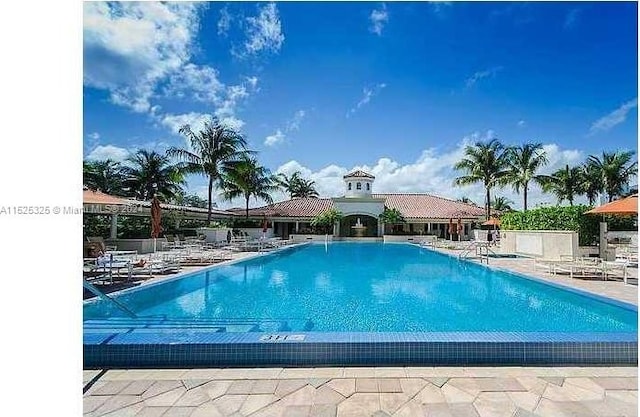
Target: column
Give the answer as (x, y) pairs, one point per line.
(429, 228)
(114, 226)
(297, 226)
(603, 240)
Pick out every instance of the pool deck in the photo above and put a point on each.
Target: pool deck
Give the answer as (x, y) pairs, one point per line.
(615, 289)
(351, 392)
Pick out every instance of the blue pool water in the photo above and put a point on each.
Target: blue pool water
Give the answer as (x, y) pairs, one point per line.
(368, 287)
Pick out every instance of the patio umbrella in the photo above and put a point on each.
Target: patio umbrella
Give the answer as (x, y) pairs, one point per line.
(623, 207)
(492, 222)
(156, 228)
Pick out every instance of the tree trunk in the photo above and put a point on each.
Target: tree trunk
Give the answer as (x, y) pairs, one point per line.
(247, 205)
(210, 200)
(488, 202)
(526, 186)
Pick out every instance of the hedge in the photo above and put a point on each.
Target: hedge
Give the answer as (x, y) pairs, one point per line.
(565, 218)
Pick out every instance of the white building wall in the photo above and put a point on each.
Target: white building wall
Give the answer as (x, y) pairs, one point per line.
(372, 208)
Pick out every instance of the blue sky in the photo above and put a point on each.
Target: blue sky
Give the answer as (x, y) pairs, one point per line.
(397, 89)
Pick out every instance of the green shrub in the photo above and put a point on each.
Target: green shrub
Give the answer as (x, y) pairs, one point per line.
(565, 218)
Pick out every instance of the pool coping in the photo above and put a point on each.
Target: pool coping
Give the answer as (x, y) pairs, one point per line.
(149, 347)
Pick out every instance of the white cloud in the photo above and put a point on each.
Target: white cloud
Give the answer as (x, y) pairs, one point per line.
(129, 47)
(614, 118)
(522, 123)
(377, 19)
(432, 173)
(275, 139)
(294, 123)
(198, 82)
(112, 152)
(368, 94)
(175, 121)
(224, 23)
(264, 32)
(253, 82)
(94, 136)
(491, 72)
(232, 122)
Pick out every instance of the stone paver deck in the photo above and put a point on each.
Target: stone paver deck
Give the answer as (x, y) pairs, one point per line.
(352, 392)
(612, 288)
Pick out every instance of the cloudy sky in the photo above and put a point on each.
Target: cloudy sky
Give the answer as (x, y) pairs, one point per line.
(396, 89)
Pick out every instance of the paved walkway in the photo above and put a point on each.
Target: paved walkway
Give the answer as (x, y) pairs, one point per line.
(354, 392)
(615, 289)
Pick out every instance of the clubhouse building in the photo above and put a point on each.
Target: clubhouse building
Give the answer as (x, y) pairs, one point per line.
(424, 214)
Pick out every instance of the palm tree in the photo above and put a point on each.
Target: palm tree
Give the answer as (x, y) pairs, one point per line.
(523, 163)
(502, 204)
(212, 150)
(592, 181)
(615, 170)
(484, 162)
(565, 183)
(288, 183)
(391, 217)
(296, 186)
(247, 178)
(150, 174)
(306, 189)
(105, 176)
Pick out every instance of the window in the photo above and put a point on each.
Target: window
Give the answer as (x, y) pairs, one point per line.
(349, 187)
(368, 187)
(358, 186)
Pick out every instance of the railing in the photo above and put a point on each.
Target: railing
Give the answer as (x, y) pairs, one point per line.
(481, 249)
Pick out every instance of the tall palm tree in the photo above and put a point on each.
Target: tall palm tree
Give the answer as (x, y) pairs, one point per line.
(592, 181)
(565, 184)
(502, 204)
(247, 178)
(305, 189)
(616, 169)
(105, 176)
(296, 186)
(523, 164)
(150, 174)
(484, 162)
(212, 150)
(288, 182)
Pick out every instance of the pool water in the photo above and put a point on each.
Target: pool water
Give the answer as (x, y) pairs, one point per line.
(367, 287)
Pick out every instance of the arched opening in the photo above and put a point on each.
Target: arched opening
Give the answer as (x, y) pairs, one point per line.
(369, 225)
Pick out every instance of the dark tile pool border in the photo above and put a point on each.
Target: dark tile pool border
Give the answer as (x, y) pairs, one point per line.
(137, 347)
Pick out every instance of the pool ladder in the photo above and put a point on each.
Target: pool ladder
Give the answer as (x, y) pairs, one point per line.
(477, 247)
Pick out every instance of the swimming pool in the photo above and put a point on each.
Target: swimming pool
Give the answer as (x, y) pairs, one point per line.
(359, 293)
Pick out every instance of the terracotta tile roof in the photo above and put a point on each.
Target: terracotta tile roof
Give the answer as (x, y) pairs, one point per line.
(358, 174)
(296, 207)
(98, 197)
(412, 206)
(425, 206)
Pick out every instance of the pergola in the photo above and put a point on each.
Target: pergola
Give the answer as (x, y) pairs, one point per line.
(97, 202)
